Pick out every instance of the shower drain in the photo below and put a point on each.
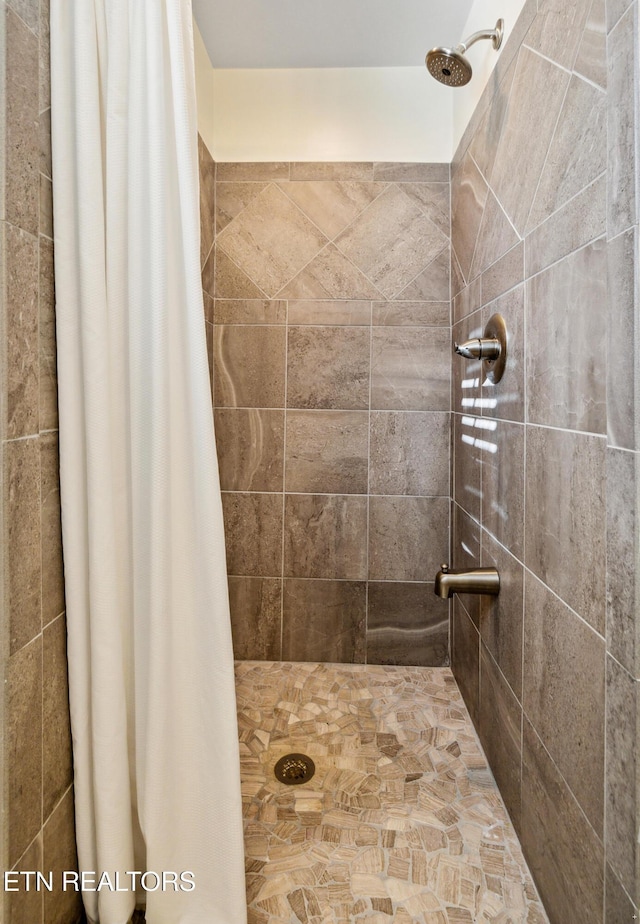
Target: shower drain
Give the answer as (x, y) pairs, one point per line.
(293, 769)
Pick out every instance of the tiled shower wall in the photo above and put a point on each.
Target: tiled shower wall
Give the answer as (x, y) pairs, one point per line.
(38, 811)
(544, 231)
(327, 294)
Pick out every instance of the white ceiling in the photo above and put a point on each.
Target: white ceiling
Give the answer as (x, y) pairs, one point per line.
(327, 33)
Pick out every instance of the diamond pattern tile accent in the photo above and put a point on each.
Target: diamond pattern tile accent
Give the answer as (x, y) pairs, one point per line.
(432, 284)
(232, 198)
(434, 200)
(330, 275)
(332, 206)
(495, 237)
(392, 241)
(271, 240)
(229, 280)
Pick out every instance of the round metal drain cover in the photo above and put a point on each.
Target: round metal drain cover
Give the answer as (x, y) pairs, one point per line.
(294, 769)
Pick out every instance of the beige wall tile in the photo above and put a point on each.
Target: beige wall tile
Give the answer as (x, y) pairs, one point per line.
(564, 854)
(51, 529)
(249, 366)
(56, 743)
(335, 170)
(567, 709)
(406, 624)
(411, 314)
(61, 907)
(249, 311)
(271, 240)
(565, 518)
(324, 620)
(622, 762)
(207, 171)
(326, 311)
(256, 618)
(328, 367)
(231, 199)
(392, 241)
(500, 719)
(566, 365)
(501, 617)
(224, 279)
(253, 533)
(537, 92)
(408, 537)
(409, 453)
(46, 206)
(410, 369)
(327, 452)
(465, 659)
(249, 171)
(324, 314)
(48, 369)
(24, 747)
(411, 173)
(330, 275)
(323, 536)
(26, 906)
(22, 128)
(21, 332)
(23, 539)
(250, 444)
(332, 205)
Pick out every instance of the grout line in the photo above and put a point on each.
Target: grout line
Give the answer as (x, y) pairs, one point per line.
(284, 475)
(366, 611)
(548, 151)
(599, 837)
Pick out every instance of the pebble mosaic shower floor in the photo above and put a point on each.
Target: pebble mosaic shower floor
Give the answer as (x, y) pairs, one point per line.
(402, 822)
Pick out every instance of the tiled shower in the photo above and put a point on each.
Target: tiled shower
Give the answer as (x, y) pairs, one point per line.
(334, 425)
(329, 319)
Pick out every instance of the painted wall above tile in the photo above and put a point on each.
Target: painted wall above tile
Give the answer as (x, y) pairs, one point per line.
(353, 113)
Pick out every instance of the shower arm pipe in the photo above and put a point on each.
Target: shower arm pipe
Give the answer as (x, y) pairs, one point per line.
(494, 34)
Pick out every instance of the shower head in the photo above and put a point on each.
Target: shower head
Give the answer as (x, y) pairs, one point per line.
(449, 65)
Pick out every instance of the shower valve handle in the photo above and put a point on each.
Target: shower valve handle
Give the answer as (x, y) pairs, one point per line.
(479, 348)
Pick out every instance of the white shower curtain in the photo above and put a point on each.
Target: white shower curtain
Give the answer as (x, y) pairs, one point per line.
(151, 671)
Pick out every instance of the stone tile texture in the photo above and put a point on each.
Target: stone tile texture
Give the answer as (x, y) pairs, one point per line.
(330, 322)
(553, 504)
(37, 740)
(402, 821)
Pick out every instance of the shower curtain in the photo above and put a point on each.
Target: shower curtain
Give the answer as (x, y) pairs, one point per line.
(150, 660)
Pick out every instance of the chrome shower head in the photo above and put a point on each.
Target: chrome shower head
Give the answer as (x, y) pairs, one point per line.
(449, 65)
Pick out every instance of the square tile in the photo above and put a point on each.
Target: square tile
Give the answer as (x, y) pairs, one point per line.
(256, 617)
(565, 517)
(250, 444)
(410, 369)
(409, 453)
(327, 452)
(408, 537)
(407, 624)
(328, 367)
(253, 533)
(324, 620)
(249, 365)
(563, 852)
(564, 692)
(325, 536)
